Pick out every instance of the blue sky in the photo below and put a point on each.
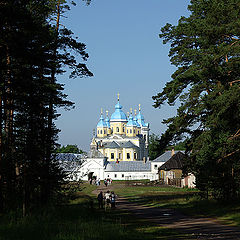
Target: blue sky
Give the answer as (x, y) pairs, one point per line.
(126, 55)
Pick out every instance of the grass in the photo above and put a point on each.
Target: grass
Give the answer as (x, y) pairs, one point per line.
(182, 199)
(80, 220)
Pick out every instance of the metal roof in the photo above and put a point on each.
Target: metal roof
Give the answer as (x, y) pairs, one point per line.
(128, 166)
(118, 114)
(165, 156)
(112, 144)
(175, 162)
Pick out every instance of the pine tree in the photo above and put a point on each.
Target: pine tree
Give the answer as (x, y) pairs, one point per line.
(205, 49)
(33, 53)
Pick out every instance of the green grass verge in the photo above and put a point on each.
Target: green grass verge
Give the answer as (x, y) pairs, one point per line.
(183, 199)
(80, 220)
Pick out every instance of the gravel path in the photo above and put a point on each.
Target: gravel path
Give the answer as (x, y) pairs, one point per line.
(198, 228)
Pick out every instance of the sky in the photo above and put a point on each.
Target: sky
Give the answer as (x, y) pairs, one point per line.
(126, 56)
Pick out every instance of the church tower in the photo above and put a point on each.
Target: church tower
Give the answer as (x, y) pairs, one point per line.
(101, 127)
(120, 138)
(118, 120)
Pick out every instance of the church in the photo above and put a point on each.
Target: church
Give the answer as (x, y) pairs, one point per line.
(122, 137)
(119, 148)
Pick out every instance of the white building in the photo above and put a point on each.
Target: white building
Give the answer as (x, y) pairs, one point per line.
(119, 150)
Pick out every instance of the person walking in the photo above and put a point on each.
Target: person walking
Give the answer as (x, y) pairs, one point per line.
(105, 182)
(100, 199)
(113, 200)
(107, 199)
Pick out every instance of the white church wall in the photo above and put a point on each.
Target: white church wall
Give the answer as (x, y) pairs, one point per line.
(129, 175)
(94, 165)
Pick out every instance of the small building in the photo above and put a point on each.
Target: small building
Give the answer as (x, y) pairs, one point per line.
(189, 181)
(171, 171)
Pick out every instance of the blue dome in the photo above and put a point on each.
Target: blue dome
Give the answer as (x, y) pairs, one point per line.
(137, 124)
(101, 122)
(140, 120)
(131, 122)
(118, 114)
(107, 121)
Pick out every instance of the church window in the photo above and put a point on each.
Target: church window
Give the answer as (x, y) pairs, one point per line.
(144, 137)
(123, 129)
(101, 132)
(115, 175)
(128, 155)
(138, 132)
(120, 156)
(130, 130)
(135, 155)
(122, 175)
(134, 130)
(104, 131)
(112, 155)
(127, 131)
(98, 131)
(117, 129)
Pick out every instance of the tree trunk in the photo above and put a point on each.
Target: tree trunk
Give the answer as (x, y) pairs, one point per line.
(1, 176)
(49, 143)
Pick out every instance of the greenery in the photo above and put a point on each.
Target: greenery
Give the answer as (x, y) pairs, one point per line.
(205, 49)
(35, 48)
(155, 150)
(77, 220)
(186, 200)
(69, 149)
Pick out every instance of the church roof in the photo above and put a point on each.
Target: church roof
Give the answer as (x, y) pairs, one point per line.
(128, 166)
(129, 144)
(114, 144)
(136, 122)
(164, 157)
(118, 114)
(107, 121)
(69, 161)
(140, 120)
(101, 122)
(131, 122)
(175, 162)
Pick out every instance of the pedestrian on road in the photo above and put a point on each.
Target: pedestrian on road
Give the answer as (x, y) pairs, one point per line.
(107, 199)
(113, 200)
(100, 199)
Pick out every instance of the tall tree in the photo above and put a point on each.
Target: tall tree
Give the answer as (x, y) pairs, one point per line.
(205, 49)
(32, 54)
(154, 148)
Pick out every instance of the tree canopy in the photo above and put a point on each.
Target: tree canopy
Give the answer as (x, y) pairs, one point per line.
(69, 149)
(35, 48)
(205, 48)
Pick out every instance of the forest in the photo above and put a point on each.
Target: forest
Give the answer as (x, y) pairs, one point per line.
(35, 48)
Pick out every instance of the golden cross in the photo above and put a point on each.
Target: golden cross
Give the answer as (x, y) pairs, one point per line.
(118, 96)
(107, 112)
(101, 111)
(135, 112)
(131, 110)
(139, 105)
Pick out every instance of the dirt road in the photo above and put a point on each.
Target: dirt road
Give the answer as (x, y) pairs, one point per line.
(197, 228)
